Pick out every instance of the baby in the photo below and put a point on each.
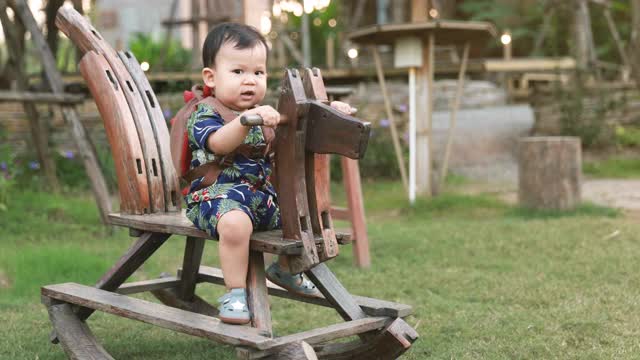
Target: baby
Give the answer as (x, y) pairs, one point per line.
(240, 198)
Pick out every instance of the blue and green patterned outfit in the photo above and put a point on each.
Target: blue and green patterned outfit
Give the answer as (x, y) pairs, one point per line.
(245, 185)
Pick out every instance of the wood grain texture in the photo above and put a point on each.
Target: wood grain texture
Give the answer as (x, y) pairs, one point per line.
(190, 265)
(135, 287)
(332, 132)
(156, 314)
(170, 181)
(169, 297)
(87, 38)
(74, 335)
(318, 336)
(317, 176)
(121, 132)
(550, 172)
(257, 295)
(300, 350)
(335, 292)
(289, 146)
(390, 343)
(178, 224)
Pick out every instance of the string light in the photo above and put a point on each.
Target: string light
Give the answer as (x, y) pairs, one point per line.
(352, 53)
(296, 8)
(144, 66)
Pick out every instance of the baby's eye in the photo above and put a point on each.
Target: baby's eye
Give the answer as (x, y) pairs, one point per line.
(259, 73)
(237, 71)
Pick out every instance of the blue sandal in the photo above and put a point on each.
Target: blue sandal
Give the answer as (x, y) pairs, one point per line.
(233, 307)
(295, 283)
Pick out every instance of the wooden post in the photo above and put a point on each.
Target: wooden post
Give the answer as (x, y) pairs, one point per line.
(454, 112)
(351, 174)
(550, 172)
(83, 142)
(392, 122)
(195, 35)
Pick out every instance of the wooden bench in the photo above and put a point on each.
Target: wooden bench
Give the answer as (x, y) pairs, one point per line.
(151, 209)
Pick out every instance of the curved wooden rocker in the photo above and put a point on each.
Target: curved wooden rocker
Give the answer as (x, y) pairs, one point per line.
(151, 210)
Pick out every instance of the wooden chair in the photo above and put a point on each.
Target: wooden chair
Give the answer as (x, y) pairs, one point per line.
(150, 208)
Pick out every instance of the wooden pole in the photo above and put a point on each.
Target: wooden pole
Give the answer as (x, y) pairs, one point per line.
(39, 131)
(454, 113)
(83, 142)
(616, 38)
(195, 35)
(351, 175)
(412, 135)
(392, 122)
(168, 35)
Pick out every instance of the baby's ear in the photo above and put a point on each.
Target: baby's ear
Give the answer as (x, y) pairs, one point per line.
(208, 77)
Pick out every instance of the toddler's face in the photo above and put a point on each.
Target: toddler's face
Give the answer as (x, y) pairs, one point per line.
(239, 77)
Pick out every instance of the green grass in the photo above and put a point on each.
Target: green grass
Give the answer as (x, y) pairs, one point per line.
(487, 280)
(613, 168)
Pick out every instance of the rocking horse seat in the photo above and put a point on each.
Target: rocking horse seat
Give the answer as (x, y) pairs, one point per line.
(176, 223)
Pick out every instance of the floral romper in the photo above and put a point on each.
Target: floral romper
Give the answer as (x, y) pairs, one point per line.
(244, 186)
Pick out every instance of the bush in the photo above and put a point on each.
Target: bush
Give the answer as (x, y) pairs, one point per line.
(627, 136)
(146, 49)
(584, 113)
(379, 161)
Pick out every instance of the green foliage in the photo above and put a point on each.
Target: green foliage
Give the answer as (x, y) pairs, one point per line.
(379, 161)
(145, 48)
(627, 136)
(525, 21)
(613, 168)
(317, 34)
(583, 113)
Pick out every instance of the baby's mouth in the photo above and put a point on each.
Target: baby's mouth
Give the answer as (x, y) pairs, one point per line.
(247, 94)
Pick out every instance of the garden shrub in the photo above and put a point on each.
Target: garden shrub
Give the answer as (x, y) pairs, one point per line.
(379, 161)
(584, 113)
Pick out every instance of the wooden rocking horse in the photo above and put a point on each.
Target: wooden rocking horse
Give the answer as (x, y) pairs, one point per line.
(150, 208)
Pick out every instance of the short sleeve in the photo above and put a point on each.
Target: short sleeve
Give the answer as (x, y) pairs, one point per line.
(202, 123)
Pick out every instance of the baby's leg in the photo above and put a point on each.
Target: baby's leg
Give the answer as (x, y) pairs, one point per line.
(234, 228)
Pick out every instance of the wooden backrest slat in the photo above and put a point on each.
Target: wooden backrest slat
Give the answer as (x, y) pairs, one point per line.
(87, 38)
(170, 181)
(118, 122)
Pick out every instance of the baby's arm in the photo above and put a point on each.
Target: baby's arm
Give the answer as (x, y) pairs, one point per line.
(230, 136)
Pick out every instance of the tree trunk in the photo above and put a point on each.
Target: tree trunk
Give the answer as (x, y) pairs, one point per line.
(634, 43)
(584, 49)
(550, 172)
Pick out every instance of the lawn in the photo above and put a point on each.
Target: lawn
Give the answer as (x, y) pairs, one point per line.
(487, 280)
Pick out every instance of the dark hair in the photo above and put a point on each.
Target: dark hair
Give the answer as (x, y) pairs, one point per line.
(244, 36)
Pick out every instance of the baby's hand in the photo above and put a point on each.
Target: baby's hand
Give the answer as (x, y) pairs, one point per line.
(343, 107)
(270, 116)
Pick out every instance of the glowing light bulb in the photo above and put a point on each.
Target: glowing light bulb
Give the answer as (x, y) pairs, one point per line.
(505, 39)
(276, 9)
(333, 22)
(144, 66)
(265, 23)
(352, 53)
